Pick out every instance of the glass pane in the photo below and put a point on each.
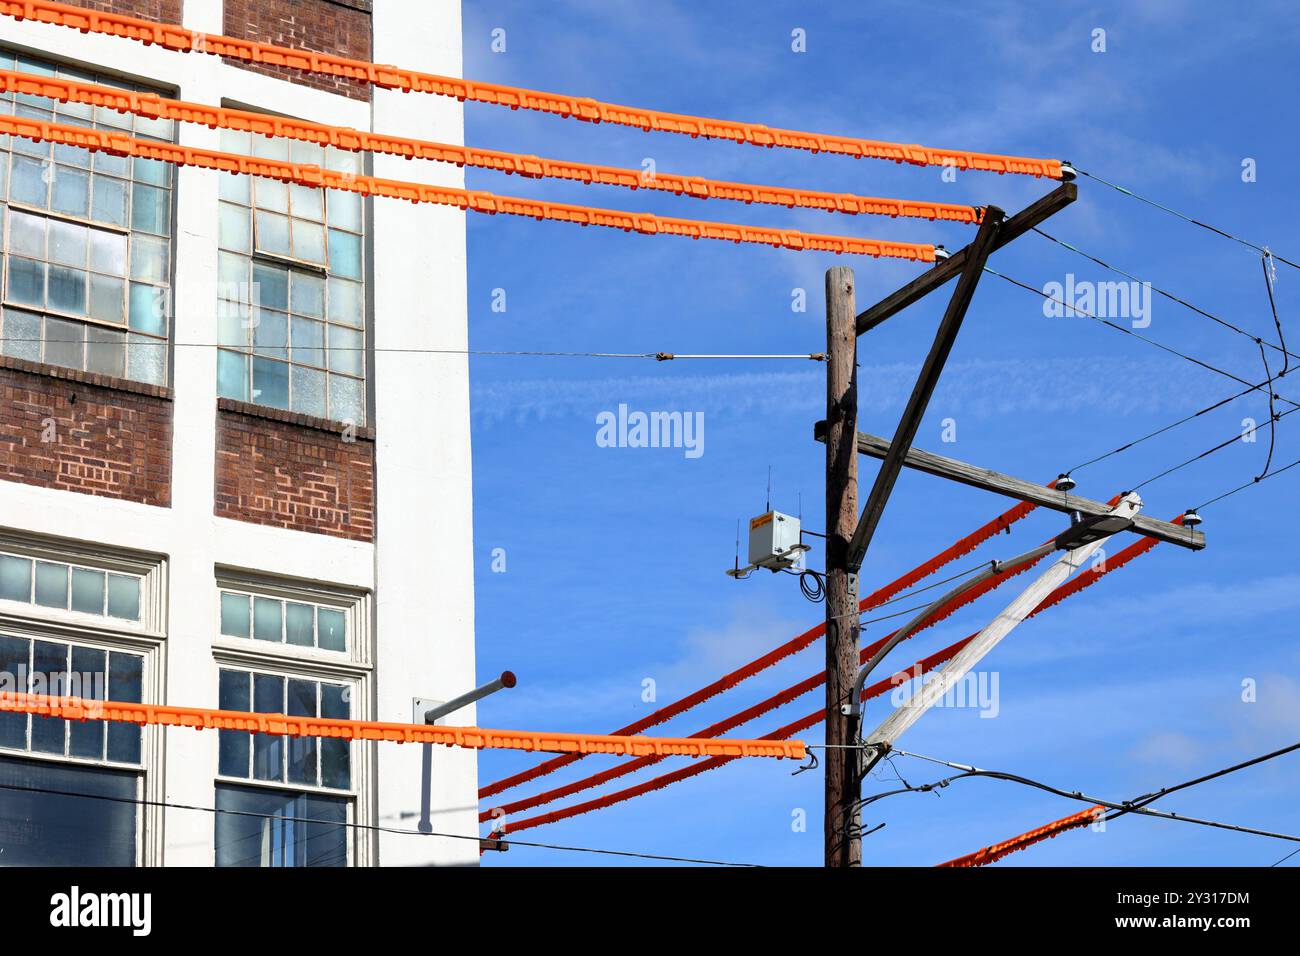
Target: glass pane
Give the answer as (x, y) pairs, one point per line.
(308, 342)
(271, 383)
(125, 683)
(124, 597)
(71, 155)
(234, 187)
(50, 828)
(109, 199)
(108, 252)
(345, 302)
(27, 234)
(347, 353)
(271, 334)
(67, 290)
(108, 298)
(271, 287)
(150, 210)
(347, 400)
(106, 352)
(345, 254)
(232, 329)
(28, 182)
(308, 203)
(51, 584)
(268, 749)
(154, 127)
(14, 654)
(236, 232)
(71, 191)
(309, 392)
(232, 694)
(110, 164)
(65, 343)
(88, 591)
(49, 676)
(234, 614)
(272, 233)
(308, 241)
(267, 619)
(331, 629)
(68, 243)
(308, 295)
(345, 210)
(264, 827)
(302, 750)
(22, 335)
(15, 579)
(149, 308)
(148, 259)
(152, 171)
(88, 680)
(146, 359)
(334, 753)
(299, 624)
(232, 375)
(26, 282)
(271, 194)
(300, 152)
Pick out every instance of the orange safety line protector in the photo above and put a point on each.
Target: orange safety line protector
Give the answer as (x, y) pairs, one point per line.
(996, 851)
(1085, 579)
(954, 551)
(533, 167)
(175, 37)
(478, 738)
(475, 199)
(805, 686)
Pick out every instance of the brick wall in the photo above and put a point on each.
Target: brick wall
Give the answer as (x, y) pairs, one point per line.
(340, 27)
(83, 432)
(293, 471)
(159, 11)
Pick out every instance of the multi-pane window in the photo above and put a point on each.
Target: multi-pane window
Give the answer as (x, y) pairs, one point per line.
(309, 761)
(283, 622)
(292, 286)
(297, 823)
(54, 584)
(62, 669)
(87, 240)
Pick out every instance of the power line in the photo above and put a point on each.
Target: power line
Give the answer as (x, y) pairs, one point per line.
(401, 831)
(1186, 218)
(1249, 484)
(1178, 299)
(1149, 341)
(1208, 452)
(1137, 805)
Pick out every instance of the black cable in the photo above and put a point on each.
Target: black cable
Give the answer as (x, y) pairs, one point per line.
(401, 831)
(1272, 304)
(1272, 415)
(1142, 338)
(1249, 484)
(1183, 216)
(1171, 296)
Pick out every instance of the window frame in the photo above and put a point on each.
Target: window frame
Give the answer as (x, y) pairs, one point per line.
(99, 118)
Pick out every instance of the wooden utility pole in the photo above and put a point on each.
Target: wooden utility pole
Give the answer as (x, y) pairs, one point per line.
(843, 844)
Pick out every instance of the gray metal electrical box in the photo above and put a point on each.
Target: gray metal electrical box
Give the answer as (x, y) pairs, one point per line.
(774, 541)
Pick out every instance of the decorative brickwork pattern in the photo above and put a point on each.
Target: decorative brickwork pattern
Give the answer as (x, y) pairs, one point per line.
(294, 471)
(83, 432)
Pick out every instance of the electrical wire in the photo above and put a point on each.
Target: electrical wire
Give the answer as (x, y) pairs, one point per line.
(1183, 216)
(379, 828)
(1137, 805)
(1137, 335)
(1175, 298)
(1249, 484)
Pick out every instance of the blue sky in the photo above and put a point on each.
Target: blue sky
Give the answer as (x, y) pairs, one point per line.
(614, 556)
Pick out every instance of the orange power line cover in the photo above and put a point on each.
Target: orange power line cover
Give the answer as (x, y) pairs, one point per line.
(473, 199)
(996, 851)
(535, 167)
(198, 718)
(176, 37)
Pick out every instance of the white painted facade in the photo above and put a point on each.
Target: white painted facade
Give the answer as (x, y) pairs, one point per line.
(416, 581)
